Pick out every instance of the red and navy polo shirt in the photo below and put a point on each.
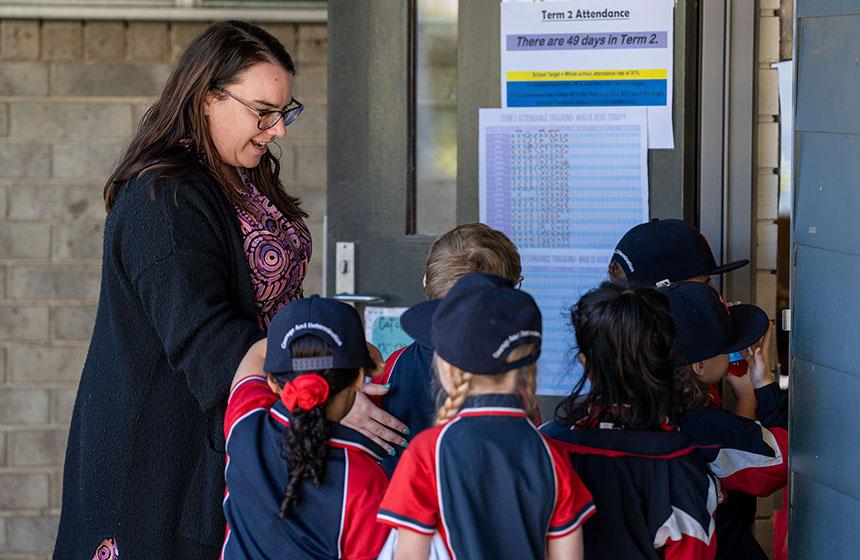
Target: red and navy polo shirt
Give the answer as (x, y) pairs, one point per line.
(655, 497)
(332, 520)
(410, 396)
(749, 459)
(488, 483)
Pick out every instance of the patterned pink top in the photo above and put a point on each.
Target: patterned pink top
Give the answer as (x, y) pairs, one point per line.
(278, 252)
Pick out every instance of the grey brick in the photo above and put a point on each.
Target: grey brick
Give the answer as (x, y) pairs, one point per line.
(108, 79)
(36, 448)
(31, 534)
(34, 364)
(23, 323)
(2, 464)
(69, 120)
(311, 163)
(63, 204)
(23, 406)
(62, 40)
(54, 282)
(181, 35)
(286, 154)
(311, 83)
(313, 43)
(19, 39)
(62, 404)
(78, 241)
(147, 40)
(2, 521)
(73, 322)
(310, 124)
(24, 490)
(2, 372)
(137, 112)
(56, 488)
(2, 211)
(4, 119)
(25, 160)
(104, 40)
(285, 33)
(85, 161)
(313, 202)
(24, 78)
(24, 240)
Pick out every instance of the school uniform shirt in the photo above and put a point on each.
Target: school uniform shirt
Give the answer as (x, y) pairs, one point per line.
(488, 484)
(333, 520)
(410, 396)
(750, 460)
(655, 497)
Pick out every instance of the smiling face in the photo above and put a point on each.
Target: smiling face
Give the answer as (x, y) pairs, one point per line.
(233, 126)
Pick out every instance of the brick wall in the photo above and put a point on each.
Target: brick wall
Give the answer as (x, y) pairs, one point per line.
(771, 48)
(71, 93)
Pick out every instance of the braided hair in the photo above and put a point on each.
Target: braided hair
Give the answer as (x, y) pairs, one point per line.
(303, 443)
(461, 381)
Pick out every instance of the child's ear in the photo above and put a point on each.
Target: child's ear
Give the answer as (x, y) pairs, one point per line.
(273, 385)
(698, 369)
(424, 281)
(582, 361)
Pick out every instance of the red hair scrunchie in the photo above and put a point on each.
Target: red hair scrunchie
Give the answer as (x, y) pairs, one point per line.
(305, 391)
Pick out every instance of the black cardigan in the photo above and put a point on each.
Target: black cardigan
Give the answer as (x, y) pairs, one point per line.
(145, 459)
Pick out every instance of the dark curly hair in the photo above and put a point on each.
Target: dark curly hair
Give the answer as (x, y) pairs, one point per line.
(303, 443)
(626, 335)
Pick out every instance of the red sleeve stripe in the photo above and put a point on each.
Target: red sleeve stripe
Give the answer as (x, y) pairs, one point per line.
(390, 369)
(242, 382)
(391, 518)
(729, 461)
(576, 523)
(587, 450)
(236, 423)
(343, 505)
(344, 444)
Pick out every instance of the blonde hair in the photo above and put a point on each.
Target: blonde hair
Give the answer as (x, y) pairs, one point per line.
(465, 249)
(526, 385)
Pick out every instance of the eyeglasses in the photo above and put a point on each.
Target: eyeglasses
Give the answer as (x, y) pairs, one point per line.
(269, 118)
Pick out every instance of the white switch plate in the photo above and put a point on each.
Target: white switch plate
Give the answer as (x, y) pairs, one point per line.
(344, 262)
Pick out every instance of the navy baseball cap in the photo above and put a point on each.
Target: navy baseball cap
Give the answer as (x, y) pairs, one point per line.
(663, 251)
(328, 319)
(477, 324)
(706, 327)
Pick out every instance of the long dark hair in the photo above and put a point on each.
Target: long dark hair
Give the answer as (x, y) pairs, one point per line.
(626, 336)
(173, 136)
(304, 443)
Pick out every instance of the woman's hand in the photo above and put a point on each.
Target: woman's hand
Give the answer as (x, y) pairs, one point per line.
(384, 429)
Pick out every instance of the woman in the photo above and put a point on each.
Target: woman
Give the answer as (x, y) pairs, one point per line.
(202, 247)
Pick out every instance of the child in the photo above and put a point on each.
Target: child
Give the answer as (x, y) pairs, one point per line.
(655, 497)
(299, 484)
(465, 249)
(660, 252)
(750, 459)
(663, 252)
(484, 480)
